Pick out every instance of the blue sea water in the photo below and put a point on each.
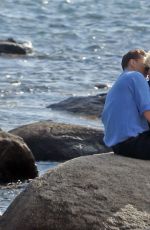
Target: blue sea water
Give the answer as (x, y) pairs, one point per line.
(76, 44)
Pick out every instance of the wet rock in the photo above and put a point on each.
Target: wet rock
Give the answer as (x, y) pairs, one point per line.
(16, 159)
(56, 142)
(90, 106)
(99, 192)
(10, 46)
(101, 86)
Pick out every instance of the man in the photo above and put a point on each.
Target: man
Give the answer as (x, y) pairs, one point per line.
(127, 109)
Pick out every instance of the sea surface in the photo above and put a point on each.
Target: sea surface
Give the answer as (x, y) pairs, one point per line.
(76, 44)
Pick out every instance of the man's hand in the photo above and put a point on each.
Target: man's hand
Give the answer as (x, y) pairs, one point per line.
(147, 115)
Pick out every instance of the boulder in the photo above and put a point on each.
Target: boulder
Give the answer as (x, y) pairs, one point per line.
(90, 106)
(57, 142)
(16, 159)
(99, 192)
(10, 46)
(101, 86)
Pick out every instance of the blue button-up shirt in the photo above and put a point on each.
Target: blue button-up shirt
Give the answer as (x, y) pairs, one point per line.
(123, 111)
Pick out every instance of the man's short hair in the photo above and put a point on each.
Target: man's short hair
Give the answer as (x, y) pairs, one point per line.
(132, 54)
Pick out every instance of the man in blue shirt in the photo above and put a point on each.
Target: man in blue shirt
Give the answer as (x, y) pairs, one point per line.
(127, 109)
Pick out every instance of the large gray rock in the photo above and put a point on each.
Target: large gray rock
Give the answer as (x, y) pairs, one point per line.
(10, 46)
(16, 159)
(99, 192)
(90, 106)
(55, 141)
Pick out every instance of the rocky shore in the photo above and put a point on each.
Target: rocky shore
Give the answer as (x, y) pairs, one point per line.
(98, 192)
(58, 142)
(88, 106)
(44, 141)
(90, 189)
(16, 159)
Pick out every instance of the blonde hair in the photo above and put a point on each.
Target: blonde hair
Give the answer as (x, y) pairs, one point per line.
(147, 60)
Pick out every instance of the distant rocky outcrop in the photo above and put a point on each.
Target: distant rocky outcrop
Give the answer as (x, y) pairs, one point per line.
(10, 46)
(90, 106)
(16, 159)
(99, 192)
(57, 142)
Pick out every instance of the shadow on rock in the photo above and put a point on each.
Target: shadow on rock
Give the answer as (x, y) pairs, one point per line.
(57, 142)
(90, 106)
(99, 192)
(16, 160)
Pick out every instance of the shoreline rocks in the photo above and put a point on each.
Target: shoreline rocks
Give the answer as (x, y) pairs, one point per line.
(58, 142)
(99, 192)
(16, 159)
(90, 106)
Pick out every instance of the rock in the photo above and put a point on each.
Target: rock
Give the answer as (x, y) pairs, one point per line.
(16, 160)
(91, 106)
(99, 192)
(56, 142)
(101, 86)
(10, 46)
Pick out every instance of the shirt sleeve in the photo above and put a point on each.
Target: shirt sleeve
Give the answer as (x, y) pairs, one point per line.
(141, 92)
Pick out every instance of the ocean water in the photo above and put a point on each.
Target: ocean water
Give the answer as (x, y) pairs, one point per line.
(76, 44)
